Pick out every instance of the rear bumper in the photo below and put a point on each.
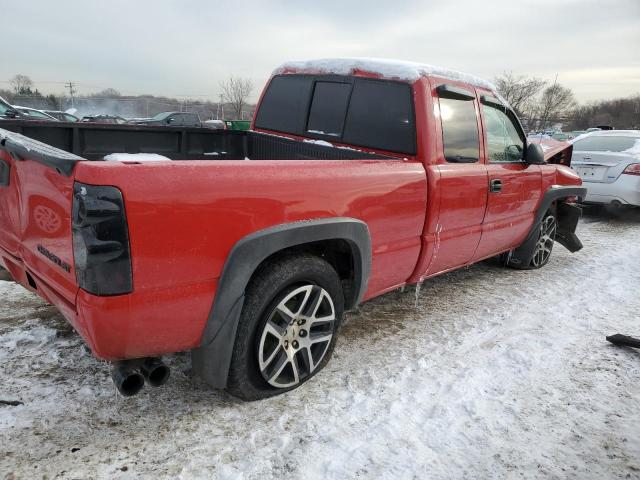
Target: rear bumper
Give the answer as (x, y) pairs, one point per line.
(626, 190)
(146, 323)
(141, 324)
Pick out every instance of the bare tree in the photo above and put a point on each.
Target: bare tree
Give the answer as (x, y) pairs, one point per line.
(236, 92)
(21, 84)
(520, 91)
(556, 104)
(622, 113)
(107, 93)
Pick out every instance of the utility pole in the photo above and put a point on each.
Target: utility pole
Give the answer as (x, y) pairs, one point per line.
(221, 107)
(72, 90)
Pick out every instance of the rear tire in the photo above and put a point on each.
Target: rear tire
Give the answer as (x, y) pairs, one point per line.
(287, 330)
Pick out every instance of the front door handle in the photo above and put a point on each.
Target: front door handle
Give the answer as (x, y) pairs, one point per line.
(495, 185)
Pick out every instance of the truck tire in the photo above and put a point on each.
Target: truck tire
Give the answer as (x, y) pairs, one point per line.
(288, 326)
(540, 252)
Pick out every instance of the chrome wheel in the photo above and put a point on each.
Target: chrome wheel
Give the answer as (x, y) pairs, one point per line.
(544, 245)
(296, 336)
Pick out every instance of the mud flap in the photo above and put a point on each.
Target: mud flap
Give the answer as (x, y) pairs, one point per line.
(568, 216)
(523, 254)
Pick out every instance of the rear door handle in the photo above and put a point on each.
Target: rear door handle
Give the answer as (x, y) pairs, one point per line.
(495, 185)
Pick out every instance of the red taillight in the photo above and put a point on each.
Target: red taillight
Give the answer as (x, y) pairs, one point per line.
(633, 169)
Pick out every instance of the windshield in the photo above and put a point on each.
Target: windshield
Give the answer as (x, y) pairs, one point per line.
(4, 106)
(34, 113)
(161, 116)
(602, 143)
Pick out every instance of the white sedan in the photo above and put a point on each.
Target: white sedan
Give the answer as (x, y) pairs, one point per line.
(608, 162)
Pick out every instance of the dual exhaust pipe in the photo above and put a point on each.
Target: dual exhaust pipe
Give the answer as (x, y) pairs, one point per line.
(129, 376)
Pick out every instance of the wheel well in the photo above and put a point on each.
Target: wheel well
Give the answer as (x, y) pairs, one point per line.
(337, 252)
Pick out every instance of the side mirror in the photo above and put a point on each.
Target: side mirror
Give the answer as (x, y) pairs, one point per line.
(170, 120)
(534, 154)
(11, 113)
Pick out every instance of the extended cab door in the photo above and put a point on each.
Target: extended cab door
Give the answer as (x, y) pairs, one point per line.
(514, 185)
(461, 179)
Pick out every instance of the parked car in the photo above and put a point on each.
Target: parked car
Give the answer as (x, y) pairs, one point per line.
(576, 133)
(172, 119)
(62, 116)
(9, 112)
(362, 176)
(6, 110)
(35, 114)
(608, 161)
(561, 137)
(109, 119)
(214, 124)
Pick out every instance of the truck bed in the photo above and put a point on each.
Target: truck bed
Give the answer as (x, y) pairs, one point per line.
(94, 141)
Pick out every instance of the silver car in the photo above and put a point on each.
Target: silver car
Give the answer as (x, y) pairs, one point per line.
(608, 162)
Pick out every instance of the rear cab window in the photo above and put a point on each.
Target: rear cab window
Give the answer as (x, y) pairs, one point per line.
(362, 112)
(328, 108)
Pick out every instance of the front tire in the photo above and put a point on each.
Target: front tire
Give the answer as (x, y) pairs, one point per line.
(287, 330)
(540, 252)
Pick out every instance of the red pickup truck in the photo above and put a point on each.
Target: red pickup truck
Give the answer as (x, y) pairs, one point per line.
(356, 178)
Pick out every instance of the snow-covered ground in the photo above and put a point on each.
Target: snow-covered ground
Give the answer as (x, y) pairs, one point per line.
(491, 373)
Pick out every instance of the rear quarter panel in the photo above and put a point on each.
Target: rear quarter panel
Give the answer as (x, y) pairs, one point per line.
(184, 218)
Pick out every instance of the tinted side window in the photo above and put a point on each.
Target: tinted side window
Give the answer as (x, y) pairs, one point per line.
(459, 130)
(381, 116)
(504, 143)
(328, 108)
(190, 119)
(284, 105)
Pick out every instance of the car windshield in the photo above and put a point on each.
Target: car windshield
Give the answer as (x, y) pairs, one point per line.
(34, 113)
(161, 116)
(3, 106)
(602, 143)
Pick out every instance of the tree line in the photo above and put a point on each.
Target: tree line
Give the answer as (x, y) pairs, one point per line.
(233, 101)
(541, 105)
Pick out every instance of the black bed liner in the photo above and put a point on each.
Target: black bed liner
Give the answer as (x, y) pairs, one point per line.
(61, 145)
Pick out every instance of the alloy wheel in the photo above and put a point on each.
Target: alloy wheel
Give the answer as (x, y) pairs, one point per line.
(296, 336)
(544, 245)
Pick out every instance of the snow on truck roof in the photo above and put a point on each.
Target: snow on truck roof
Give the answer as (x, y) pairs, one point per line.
(386, 68)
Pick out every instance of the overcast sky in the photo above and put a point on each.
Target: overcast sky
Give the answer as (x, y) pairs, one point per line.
(186, 47)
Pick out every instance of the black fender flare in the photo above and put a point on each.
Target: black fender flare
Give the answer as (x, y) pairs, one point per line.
(568, 217)
(211, 360)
